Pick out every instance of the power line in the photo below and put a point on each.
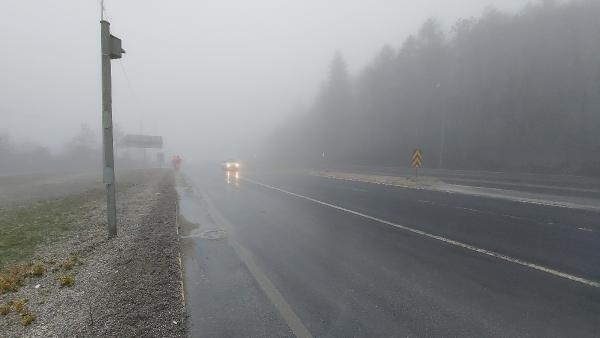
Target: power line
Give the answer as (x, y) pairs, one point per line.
(139, 107)
(133, 94)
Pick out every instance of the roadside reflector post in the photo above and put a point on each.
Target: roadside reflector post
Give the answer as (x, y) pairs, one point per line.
(110, 49)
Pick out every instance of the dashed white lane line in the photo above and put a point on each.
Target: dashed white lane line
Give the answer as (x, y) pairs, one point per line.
(477, 211)
(359, 190)
(439, 238)
(470, 209)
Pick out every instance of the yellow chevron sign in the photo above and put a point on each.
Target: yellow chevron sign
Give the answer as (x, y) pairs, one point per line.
(417, 159)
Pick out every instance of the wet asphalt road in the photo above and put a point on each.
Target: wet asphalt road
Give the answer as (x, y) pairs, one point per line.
(346, 275)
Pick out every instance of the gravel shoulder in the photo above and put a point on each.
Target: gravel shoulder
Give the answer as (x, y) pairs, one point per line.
(128, 286)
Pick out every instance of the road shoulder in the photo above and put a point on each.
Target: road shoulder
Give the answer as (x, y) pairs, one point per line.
(224, 297)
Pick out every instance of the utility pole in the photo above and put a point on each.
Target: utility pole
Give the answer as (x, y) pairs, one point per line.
(442, 138)
(442, 126)
(111, 49)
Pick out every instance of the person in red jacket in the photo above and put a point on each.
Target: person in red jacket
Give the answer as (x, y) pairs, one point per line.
(176, 161)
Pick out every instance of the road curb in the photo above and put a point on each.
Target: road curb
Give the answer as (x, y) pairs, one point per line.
(182, 287)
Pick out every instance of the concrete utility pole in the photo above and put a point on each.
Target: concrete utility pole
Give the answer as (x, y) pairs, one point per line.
(442, 138)
(111, 49)
(442, 128)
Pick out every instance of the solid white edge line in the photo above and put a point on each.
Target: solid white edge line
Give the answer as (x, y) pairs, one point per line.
(439, 238)
(290, 317)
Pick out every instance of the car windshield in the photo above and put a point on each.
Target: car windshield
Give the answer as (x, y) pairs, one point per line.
(269, 168)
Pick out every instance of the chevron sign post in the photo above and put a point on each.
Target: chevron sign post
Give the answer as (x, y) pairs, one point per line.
(416, 160)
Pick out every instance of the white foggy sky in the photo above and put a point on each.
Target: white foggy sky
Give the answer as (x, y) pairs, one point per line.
(208, 75)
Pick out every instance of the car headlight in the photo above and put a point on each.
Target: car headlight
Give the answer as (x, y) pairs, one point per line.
(227, 165)
(237, 165)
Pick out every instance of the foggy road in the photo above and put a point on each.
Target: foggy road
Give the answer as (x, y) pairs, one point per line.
(315, 256)
(340, 168)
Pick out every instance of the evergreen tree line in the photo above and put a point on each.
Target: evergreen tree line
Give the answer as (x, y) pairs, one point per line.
(512, 92)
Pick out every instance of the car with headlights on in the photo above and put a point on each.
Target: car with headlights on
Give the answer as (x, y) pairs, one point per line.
(231, 165)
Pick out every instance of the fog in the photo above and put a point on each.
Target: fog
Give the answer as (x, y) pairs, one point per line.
(214, 78)
(503, 91)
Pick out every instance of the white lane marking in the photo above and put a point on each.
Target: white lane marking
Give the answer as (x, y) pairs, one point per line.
(448, 206)
(359, 190)
(275, 297)
(515, 217)
(426, 202)
(471, 210)
(477, 211)
(440, 238)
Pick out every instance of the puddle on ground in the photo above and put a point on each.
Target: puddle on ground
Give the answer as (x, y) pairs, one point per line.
(213, 234)
(194, 220)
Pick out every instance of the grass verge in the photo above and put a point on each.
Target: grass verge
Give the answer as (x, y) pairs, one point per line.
(23, 228)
